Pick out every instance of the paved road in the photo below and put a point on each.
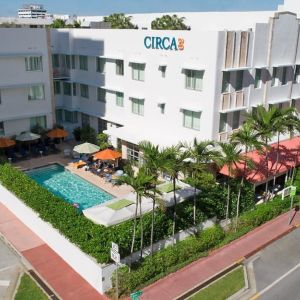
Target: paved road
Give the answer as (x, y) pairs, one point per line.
(10, 268)
(277, 270)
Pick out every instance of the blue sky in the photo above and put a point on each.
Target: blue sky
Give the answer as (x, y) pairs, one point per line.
(104, 7)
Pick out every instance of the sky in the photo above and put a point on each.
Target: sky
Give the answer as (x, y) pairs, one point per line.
(9, 8)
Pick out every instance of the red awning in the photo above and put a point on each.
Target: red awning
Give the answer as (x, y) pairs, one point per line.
(289, 156)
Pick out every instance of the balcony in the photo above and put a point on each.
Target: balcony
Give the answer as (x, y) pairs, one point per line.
(61, 73)
(232, 101)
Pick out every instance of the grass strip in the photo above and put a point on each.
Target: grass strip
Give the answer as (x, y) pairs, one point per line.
(29, 290)
(223, 288)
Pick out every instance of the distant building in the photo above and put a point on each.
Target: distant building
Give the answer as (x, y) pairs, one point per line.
(32, 11)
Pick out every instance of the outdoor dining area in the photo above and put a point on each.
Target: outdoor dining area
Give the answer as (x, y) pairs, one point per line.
(29, 144)
(105, 163)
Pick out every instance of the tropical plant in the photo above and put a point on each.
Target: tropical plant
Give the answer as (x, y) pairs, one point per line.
(230, 156)
(60, 23)
(120, 21)
(262, 121)
(245, 137)
(88, 134)
(103, 140)
(140, 183)
(174, 164)
(153, 162)
(77, 133)
(167, 22)
(201, 155)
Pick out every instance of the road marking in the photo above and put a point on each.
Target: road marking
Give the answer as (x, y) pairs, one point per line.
(4, 282)
(255, 297)
(6, 268)
(240, 260)
(278, 280)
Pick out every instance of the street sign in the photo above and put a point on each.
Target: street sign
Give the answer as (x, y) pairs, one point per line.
(293, 190)
(115, 256)
(136, 295)
(115, 247)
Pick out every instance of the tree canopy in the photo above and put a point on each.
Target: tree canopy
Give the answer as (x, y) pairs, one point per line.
(120, 21)
(167, 22)
(60, 23)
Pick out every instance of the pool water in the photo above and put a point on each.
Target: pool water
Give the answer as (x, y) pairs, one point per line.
(68, 186)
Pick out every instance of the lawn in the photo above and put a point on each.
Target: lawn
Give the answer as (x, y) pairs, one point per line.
(222, 288)
(120, 204)
(28, 290)
(167, 188)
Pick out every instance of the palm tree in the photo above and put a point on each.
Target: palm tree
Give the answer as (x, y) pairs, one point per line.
(140, 183)
(245, 137)
(286, 121)
(231, 157)
(262, 122)
(174, 164)
(120, 21)
(153, 162)
(200, 153)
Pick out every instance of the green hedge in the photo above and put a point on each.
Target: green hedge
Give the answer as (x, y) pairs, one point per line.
(93, 239)
(171, 259)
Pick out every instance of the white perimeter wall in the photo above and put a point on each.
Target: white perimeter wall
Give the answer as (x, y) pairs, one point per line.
(89, 269)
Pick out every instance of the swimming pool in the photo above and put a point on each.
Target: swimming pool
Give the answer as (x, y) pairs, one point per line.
(68, 186)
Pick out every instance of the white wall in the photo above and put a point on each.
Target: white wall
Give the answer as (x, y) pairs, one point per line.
(84, 265)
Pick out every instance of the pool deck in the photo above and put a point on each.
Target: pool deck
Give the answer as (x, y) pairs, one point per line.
(116, 191)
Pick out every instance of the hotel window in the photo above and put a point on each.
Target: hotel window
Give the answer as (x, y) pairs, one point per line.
(59, 116)
(283, 76)
(239, 80)
(38, 122)
(133, 152)
(194, 80)
(258, 81)
(138, 71)
(67, 89)
(137, 106)
(275, 77)
(191, 119)
(73, 61)
(163, 70)
(83, 63)
(84, 91)
(101, 95)
(85, 120)
(55, 60)
(56, 85)
(2, 128)
(36, 92)
(68, 61)
(34, 63)
(102, 125)
(119, 67)
(236, 119)
(74, 88)
(71, 116)
(297, 74)
(225, 82)
(223, 123)
(119, 99)
(100, 64)
(162, 107)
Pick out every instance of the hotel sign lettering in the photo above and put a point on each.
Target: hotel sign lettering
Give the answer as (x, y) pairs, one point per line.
(164, 43)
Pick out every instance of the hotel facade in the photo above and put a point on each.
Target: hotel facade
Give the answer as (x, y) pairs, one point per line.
(161, 86)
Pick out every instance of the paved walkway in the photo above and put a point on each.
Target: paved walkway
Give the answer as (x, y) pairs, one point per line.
(201, 270)
(66, 282)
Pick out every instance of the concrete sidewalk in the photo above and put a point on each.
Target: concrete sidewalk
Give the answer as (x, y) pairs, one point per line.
(65, 282)
(178, 283)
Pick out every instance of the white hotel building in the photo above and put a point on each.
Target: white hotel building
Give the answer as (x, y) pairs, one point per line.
(162, 86)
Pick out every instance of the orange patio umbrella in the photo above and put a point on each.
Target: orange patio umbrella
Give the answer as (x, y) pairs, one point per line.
(57, 133)
(6, 142)
(107, 154)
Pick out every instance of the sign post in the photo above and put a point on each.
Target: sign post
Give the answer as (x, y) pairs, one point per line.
(292, 194)
(115, 256)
